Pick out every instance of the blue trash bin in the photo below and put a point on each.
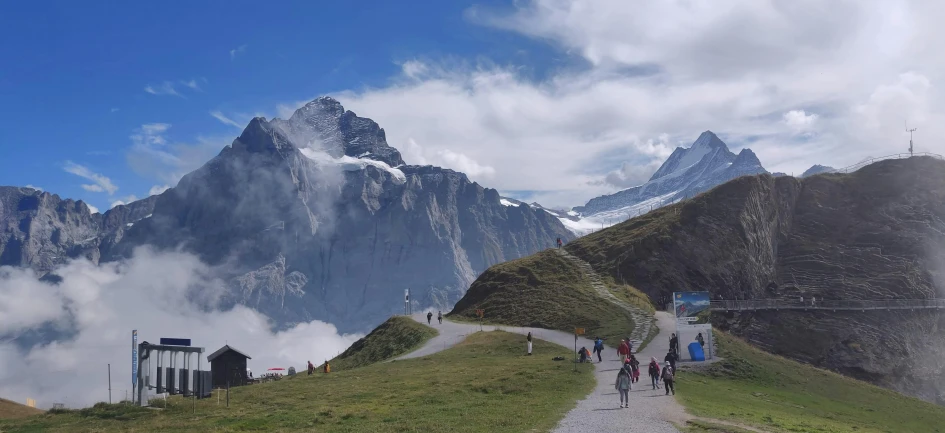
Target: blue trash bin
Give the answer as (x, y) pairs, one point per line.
(695, 351)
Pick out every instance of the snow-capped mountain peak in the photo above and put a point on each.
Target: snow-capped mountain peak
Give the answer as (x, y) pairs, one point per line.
(687, 172)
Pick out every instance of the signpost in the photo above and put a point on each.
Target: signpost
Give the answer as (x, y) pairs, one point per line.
(693, 315)
(577, 331)
(480, 312)
(406, 302)
(134, 361)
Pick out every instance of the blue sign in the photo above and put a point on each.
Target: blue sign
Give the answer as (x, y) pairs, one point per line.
(176, 341)
(134, 357)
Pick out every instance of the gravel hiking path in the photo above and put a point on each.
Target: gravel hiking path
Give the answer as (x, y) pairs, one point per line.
(650, 411)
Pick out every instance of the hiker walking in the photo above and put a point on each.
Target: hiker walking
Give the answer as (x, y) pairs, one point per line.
(667, 376)
(629, 346)
(584, 354)
(528, 338)
(635, 368)
(429, 318)
(311, 368)
(670, 359)
(654, 373)
(674, 343)
(622, 385)
(439, 316)
(599, 348)
(623, 350)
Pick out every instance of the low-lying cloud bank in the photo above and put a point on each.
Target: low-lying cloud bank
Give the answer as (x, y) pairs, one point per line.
(94, 308)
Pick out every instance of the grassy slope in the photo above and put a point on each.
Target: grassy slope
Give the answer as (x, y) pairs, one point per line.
(396, 336)
(12, 410)
(545, 290)
(756, 388)
(482, 385)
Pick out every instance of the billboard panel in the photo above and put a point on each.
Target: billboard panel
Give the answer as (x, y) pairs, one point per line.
(692, 308)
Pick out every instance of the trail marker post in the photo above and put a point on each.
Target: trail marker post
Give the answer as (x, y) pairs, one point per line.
(577, 331)
(480, 312)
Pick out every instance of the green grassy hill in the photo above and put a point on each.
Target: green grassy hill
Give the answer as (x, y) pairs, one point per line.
(755, 388)
(482, 385)
(545, 290)
(12, 410)
(396, 336)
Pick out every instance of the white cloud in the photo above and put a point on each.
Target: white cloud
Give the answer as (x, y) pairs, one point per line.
(641, 70)
(217, 114)
(165, 88)
(799, 120)
(92, 209)
(113, 110)
(154, 156)
(102, 304)
(123, 200)
(38, 188)
(92, 188)
(102, 183)
(157, 189)
(192, 84)
(237, 51)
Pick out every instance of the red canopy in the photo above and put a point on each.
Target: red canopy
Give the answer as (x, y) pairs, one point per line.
(277, 368)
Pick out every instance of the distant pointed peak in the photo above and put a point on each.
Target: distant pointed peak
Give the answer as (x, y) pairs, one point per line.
(747, 156)
(709, 139)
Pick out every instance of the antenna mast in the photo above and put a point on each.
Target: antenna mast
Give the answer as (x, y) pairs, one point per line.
(910, 131)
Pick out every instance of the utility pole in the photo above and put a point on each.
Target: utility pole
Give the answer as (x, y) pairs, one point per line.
(910, 131)
(109, 384)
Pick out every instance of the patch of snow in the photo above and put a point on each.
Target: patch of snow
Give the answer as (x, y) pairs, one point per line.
(581, 227)
(350, 163)
(505, 202)
(624, 213)
(147, 216)
(129, 224)
(573, 213)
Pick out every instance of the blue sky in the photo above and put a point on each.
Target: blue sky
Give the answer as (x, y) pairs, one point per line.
(548, 100)
(73, 86)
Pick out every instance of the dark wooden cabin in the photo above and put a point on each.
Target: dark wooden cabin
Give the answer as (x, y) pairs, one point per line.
(226, 364)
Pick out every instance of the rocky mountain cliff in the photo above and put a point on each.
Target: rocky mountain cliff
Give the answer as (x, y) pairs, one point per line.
(312, 217)
(40, 230)
(687, 172)
(877, 233)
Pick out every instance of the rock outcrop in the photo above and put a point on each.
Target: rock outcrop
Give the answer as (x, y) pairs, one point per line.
(40, 230)
(877, 233)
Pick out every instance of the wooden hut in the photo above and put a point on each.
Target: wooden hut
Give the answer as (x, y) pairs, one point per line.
(228, 365)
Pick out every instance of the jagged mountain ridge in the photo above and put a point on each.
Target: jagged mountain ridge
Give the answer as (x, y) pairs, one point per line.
(316, 217)
(687, 172)
(40, 230)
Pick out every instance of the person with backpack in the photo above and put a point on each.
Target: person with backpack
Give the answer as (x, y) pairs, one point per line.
(668, 379)
(623, 350)
(634, 368)
(311, 368)
(629, 346)
(700, 339)
(327, 367)
(622, 385)
(674, 343)
(670, 358)
(439, 316)
(654, 373)
(599, 348)
(430, 318)
(528, 338)
(584, 354)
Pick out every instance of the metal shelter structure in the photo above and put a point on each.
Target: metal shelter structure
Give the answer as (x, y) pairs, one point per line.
(170, 378)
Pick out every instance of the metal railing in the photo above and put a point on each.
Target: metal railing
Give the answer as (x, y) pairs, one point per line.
(835, 305)
(865, 162)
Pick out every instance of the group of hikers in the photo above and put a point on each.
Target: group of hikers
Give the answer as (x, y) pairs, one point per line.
(629, 372)
(325, 368)
(439, 316)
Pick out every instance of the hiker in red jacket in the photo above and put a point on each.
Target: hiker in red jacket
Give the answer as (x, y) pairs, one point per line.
(623, 350)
